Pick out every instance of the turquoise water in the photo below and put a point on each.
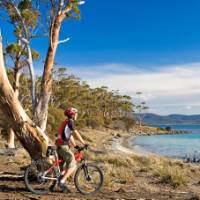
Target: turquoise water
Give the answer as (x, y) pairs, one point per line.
(174, 146)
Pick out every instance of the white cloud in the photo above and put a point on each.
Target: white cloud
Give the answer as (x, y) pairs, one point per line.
(167, 89)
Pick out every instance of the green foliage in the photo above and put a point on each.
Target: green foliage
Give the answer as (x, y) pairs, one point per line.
(18, 31)
(35, 54)
(13, 49)
(16, 50)
(29, 16)
(13, 17)
(97, 107)
(55, 116)
(24, 95)
(129, 122)
(25, 4)
(75, 12)
(10, 74)
(95, 122)
(76, 9)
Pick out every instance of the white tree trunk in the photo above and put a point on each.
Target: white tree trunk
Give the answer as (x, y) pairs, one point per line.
(11, 138)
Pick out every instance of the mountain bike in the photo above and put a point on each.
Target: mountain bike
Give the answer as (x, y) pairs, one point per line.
(41, 177)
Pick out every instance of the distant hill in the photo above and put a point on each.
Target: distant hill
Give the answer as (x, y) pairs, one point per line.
(154, 119)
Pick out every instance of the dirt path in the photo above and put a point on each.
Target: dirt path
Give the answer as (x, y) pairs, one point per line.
(16, 190)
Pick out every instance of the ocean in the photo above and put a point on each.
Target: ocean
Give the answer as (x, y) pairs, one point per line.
(179, 146)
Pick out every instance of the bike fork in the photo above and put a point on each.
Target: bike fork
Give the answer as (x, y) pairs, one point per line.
(87, 176)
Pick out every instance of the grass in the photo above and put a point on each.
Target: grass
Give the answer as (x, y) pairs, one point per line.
(108, 179)
(114, 160)
(124, 175)
(120, 169)
(168, 171)
(173, 176)
(116, 169)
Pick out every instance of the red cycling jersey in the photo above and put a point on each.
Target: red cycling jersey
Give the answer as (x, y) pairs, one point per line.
(64, 131)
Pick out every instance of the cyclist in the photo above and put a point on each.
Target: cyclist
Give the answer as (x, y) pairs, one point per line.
(65, 140)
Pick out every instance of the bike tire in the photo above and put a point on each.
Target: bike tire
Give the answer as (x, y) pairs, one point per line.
(89, 167)
(29, 184)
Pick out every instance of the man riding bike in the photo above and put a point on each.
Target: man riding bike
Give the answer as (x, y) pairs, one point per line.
(65, 140)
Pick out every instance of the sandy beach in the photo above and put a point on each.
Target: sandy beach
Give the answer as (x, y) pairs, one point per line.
(122, 145)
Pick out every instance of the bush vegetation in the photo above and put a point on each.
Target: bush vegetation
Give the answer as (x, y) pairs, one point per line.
(98, 107)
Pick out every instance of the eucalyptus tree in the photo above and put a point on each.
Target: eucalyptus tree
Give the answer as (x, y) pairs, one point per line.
(23, 16)
(31, 134)
(59, 11)
(140, 107)
(15, 51)
(97, 107)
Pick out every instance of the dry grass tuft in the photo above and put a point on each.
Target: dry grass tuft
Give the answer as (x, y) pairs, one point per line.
(170, 175)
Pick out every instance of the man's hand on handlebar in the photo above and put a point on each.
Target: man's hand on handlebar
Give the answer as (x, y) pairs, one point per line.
(78, 148)
(86, 146)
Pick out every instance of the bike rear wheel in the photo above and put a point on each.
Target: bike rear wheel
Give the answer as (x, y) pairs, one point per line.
(88, 179)
(34, 177)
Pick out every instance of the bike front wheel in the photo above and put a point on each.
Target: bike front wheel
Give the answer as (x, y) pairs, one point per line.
(88, 179)
(36, 178)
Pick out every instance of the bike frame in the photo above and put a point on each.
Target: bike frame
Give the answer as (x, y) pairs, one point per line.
(56, 163)
(78, 156)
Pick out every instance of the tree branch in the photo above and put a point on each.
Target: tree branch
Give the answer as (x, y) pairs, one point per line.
(63, 41)
(66, 10)
(60, 7)
(19, 15)
(25, 41)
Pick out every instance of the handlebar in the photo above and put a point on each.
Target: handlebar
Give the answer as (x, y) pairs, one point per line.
(51, 150)
(79, 149)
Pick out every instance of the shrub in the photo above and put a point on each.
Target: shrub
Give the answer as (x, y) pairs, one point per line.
(171, 175)
(129, 122)
(55, 117)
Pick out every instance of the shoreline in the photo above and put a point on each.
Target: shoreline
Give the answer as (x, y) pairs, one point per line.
(118, 141)
(122, 145)
(146, 130)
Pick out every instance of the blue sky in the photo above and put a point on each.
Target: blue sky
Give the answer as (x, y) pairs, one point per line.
(150, 45)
